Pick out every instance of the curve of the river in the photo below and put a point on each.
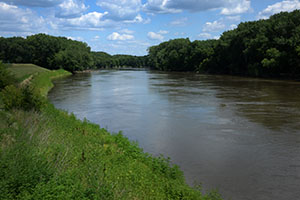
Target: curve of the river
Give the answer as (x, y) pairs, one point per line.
(238, 135)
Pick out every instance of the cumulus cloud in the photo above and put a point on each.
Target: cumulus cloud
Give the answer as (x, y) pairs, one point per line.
(89, 21)
(213, 26)
(14, 19)
(155, 36)
(195, 5)
(228, 7)
(137, 19)
(70, 9)
(179, 22)
(159, 6)
(237, 7)
(118, 36)
(287, 5)
(120, 10)
(78, 38)
(34, 3)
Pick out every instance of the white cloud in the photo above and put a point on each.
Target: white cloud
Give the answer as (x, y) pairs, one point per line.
(89, 21)
(127, 31)
(34, 3)
(137, 19)
(216, 37)
(227, 7)
(155, 36)
(118, 36)
(287, 5)
(159, 6)
(213, 26)
(195, 5)
(232, 26)
(70, 9)
(179, 22)
(163, 32)
(120, 10)
(76, 38)
(94, 21)
(237, 7)
(20, 21)
(205, 35)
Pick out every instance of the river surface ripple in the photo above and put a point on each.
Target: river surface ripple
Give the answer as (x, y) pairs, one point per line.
(238, 135)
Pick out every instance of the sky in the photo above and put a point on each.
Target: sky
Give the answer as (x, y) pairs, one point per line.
(131, 26)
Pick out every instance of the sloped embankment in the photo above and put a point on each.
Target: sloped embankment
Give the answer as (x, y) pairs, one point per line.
(49, 154)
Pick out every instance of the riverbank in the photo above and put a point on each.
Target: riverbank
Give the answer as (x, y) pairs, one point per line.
(50, 154)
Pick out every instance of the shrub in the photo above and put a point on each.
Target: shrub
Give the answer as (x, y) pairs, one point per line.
(6, 78)
(24, 98)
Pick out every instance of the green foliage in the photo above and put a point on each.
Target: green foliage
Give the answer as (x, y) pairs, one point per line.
(24, 97)
(104, 60)
(42, 81)
(47, 51)
(298, 50)
(174, 55)
(53, 155)
(24, 71)
(12, 97)
(59, 52)
(6, 78)
(264, 48)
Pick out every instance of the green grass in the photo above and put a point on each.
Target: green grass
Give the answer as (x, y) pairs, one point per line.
(23, 71)
(41, 77)
(52, 155)
(43, 82)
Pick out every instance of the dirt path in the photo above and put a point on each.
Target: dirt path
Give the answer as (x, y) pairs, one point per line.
(26, 81)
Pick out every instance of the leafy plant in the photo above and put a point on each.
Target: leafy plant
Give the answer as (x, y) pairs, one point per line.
(25, 97)
(6, 78)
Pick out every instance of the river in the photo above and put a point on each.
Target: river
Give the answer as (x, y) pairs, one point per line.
(240, 136)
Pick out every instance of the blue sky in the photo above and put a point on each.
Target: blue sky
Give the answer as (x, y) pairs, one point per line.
(131, 26)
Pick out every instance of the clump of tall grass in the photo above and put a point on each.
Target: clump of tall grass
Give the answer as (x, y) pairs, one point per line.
(21, 97)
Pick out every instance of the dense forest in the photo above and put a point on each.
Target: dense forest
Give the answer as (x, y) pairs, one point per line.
(105, 60)
(264, 48)
(59, 52)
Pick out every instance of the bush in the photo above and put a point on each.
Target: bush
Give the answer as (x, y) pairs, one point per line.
(25, 98)
(6, 78)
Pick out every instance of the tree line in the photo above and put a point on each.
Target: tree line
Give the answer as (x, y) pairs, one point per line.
(263, 48)
(59, 52)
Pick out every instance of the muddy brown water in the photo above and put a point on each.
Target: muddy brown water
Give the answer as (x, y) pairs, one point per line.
(238, 135)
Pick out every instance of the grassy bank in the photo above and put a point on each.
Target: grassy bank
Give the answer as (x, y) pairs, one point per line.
(40, 77)
(23, 71)
(49, 154)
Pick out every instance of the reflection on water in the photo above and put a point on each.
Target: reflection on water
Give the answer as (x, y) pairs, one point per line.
(239, 135)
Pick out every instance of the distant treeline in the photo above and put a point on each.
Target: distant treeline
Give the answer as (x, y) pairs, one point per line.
(105, 60)
(264, 48)
(59, 52)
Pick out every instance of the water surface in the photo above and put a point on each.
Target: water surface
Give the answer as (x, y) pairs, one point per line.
(239, 135)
